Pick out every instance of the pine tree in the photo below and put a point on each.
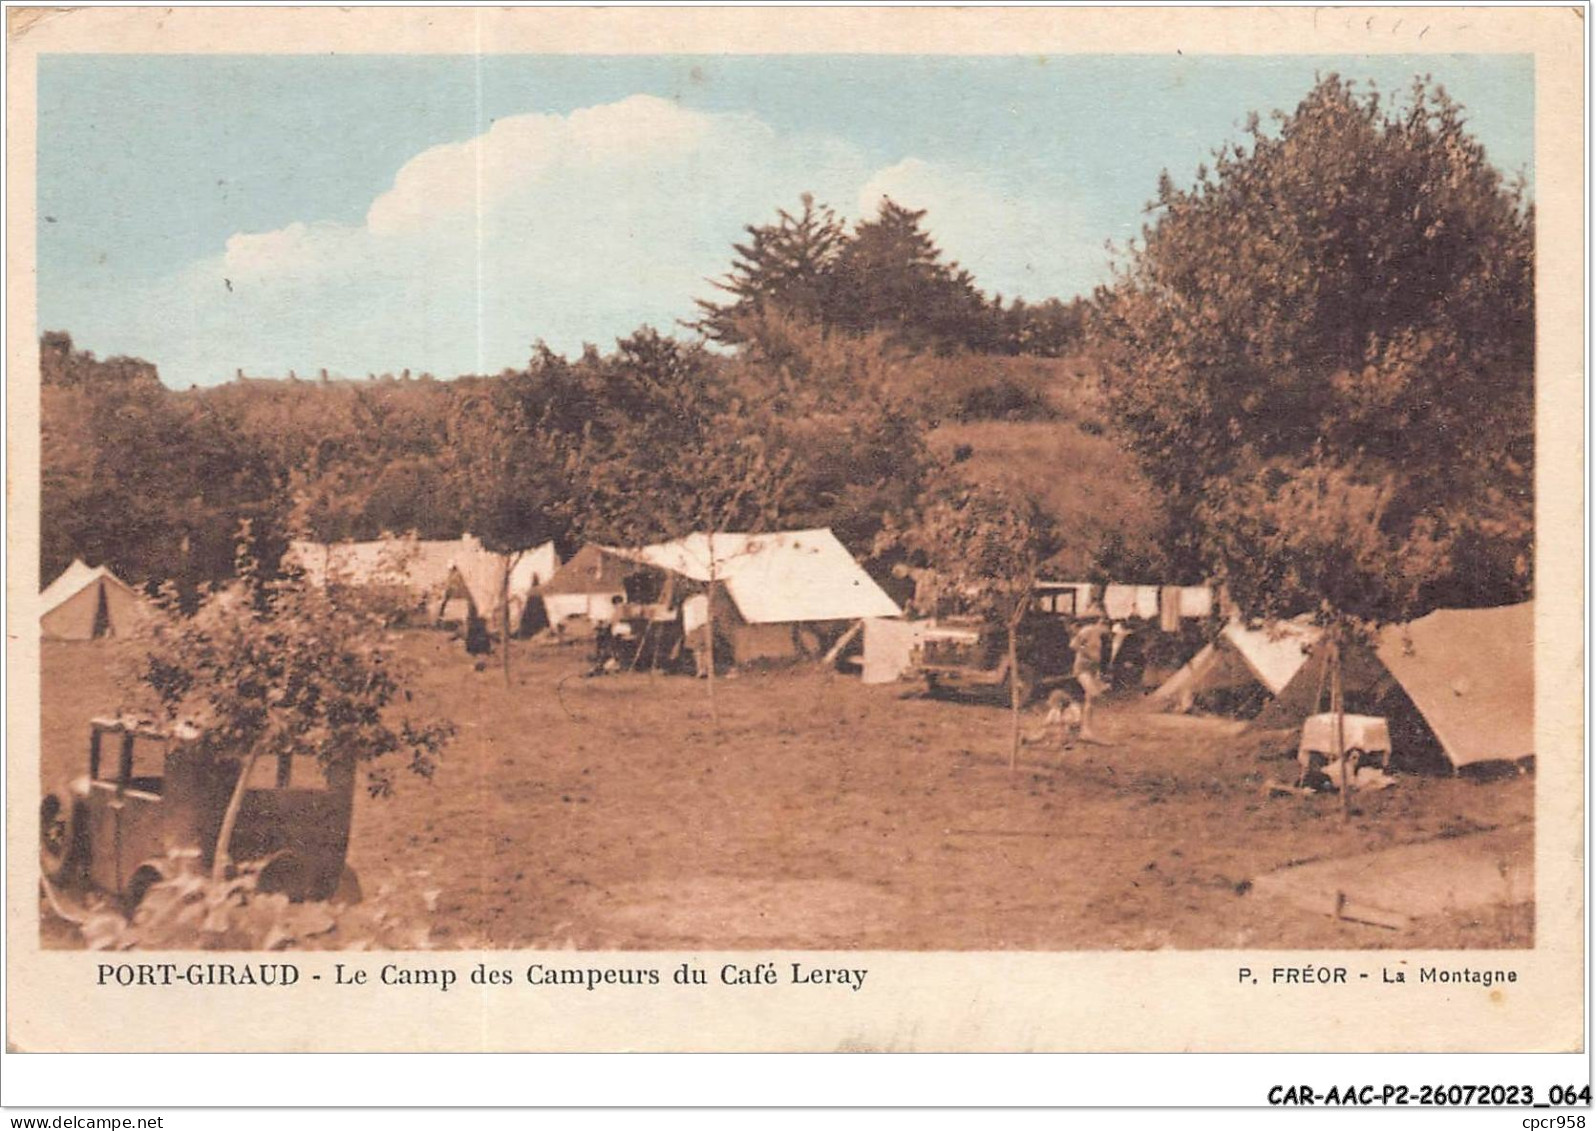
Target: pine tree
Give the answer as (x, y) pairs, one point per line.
(785, 266)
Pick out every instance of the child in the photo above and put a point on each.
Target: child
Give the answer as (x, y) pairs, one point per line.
(1061, 723)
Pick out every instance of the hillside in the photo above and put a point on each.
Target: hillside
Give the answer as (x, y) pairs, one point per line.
(1039, 426)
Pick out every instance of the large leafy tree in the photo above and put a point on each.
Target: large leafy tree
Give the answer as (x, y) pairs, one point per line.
(512, 445)
(1322, 353)
(144, 480)
(836, 404)
(274, 668)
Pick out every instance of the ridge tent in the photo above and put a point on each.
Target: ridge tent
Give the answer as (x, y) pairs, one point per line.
(476, 583)
(531, 571)
(1241, 665)
(775, 588)
(1460, 679)
(416, 569)
(449, 579)
(588, 583)
(88, 603)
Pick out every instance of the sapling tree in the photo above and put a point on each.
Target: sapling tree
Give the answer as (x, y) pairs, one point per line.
(984, 547)
(278, 669)
(511, 446)
(675, 451)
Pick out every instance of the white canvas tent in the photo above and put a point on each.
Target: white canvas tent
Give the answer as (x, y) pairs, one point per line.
(770, 584)
(451, 579)
(1466, 675)
(889, 645)
(1240, 659)
(476, 581)
(418, 568)
(87, 603)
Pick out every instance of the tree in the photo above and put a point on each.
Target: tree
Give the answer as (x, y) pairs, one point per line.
(1323, 352)
(277, 669)
(984, 547)
(785, 266)
(510, 444)
(674, 451)
(886, 275)
(891, 276)
(836, 404)
(113, 492)
(1045, 329)
(1335, 326)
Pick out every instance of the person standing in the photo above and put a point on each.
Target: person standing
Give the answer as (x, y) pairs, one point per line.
(1087, 645)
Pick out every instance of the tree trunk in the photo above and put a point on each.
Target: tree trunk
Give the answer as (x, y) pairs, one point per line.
(1338, 709)
(1014, 678)
(1014, 702)
(504, 616)
(222, 856)
(709, 640)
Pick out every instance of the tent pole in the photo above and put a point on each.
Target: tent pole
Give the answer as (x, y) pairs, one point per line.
(1318, 695)
(842, 642)
(642, 642)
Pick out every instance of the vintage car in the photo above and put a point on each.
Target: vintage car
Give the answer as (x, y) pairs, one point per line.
(971, 655)
(153, 796)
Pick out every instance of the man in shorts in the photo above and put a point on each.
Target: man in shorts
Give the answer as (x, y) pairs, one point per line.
(1088, 647)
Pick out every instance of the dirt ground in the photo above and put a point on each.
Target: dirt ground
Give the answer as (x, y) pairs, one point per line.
(607, 814)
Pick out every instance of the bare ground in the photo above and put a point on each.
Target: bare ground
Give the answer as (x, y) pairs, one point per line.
(608, 814)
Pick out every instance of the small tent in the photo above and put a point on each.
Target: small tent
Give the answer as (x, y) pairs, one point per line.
(1462, 679)
(532, 570)
(475, 584)
(1243, 666)
(590, 582)
(87, 603)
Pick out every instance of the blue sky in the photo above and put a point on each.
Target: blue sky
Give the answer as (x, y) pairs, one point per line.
(376, 213)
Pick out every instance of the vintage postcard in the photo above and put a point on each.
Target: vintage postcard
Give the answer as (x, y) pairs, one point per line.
(733, 529)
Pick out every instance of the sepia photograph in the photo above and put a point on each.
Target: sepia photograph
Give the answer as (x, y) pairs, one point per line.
(785, 507)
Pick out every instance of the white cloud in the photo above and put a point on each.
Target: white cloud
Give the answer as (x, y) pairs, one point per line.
(569, 228)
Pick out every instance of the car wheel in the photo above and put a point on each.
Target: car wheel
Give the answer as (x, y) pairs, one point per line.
(146, 877)
(60, 838)
(286, 874)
